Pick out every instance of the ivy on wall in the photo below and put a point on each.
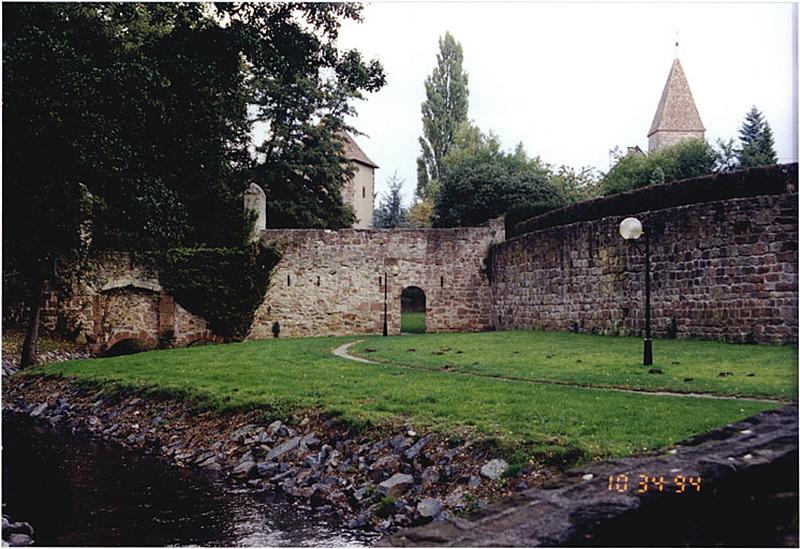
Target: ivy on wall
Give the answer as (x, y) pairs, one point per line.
(224, 286)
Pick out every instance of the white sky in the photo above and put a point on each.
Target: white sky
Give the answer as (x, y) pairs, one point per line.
(572, 80)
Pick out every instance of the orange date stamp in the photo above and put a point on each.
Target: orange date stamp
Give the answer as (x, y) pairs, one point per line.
(678, 484)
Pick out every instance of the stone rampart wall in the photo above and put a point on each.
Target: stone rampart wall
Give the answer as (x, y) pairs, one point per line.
(331, 283)
(723, 270)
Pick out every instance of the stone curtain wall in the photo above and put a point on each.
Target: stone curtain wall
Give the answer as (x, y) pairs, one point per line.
(724, 270)
(331, 283)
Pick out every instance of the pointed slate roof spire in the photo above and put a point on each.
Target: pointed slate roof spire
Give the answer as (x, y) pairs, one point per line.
(354, 152)
(676, 110)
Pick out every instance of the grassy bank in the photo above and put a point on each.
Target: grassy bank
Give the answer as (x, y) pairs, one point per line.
(290, 375)
(593, 360)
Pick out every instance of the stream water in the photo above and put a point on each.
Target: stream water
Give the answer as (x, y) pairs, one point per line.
(78, 491)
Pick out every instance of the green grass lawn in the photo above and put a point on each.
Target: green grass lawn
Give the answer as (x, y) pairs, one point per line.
(287, 375)
(601, 361)
(412, 323)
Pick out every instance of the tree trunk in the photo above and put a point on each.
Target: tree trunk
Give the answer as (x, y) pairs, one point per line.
(30, 354)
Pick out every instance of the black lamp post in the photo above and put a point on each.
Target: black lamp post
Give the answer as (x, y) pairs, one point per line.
(631, 229)
(385, 302)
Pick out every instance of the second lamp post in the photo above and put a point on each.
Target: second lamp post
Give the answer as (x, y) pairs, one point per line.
(631, 229)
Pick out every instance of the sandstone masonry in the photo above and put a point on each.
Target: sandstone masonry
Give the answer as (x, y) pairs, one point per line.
(723, 270)
(331, 283)
(121, 299)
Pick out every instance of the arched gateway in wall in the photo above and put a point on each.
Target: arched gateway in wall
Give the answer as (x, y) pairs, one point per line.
(331, 282)
(413, 310)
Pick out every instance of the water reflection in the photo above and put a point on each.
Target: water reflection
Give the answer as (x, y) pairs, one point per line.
(77, 491)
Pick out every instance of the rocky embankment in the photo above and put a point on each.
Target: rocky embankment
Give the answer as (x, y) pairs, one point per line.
(361, 480)
(735, 486)
(11, 359)
(16, 534)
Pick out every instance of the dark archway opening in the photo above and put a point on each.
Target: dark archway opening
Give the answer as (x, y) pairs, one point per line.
(412, 310)
(126, 347)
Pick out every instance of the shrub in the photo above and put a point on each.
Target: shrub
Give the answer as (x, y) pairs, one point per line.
(672, 328)
(485, 184)
(166, 339)
(225, 286)
(691, 158)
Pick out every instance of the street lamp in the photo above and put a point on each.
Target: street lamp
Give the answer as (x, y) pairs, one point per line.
(385, 302)
(631, 229)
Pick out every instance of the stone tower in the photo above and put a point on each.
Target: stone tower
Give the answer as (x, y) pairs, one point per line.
(359, 191)
(676, 118)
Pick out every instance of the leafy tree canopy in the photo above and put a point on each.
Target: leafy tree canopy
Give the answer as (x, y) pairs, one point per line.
(482, 182)
(303, 88)
(420, 214)
(135, 116)
(575, 185)
(690, 158)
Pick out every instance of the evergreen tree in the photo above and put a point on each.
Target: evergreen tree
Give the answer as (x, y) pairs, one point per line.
(390, 213)
(443, 112)
(758, 145)
(303, 87)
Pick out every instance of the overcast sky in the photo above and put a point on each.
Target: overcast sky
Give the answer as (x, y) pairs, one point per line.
(573, 80)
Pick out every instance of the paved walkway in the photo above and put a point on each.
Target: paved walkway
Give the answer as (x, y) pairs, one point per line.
(342, 352)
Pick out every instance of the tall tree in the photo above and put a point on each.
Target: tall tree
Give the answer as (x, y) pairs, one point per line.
(390, 213)
(139, 113)
(443, 112)
(129, 116)
(303, 88)
(757, 143)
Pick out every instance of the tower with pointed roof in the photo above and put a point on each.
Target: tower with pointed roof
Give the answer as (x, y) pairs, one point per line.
(676, 117)
(359, 191)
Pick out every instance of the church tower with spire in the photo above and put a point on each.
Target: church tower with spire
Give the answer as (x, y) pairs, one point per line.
(676, 117)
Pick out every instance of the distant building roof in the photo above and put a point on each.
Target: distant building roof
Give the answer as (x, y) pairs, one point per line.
(676, 110)
(635, 150)
(354, 152)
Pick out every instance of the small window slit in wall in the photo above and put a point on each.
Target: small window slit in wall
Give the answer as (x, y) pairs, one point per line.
(363, 192)
(288, 280)
(380, 282)
(318, 281)
(441, 281)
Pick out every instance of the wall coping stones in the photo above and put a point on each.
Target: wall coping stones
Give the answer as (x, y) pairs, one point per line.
(747, 183)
